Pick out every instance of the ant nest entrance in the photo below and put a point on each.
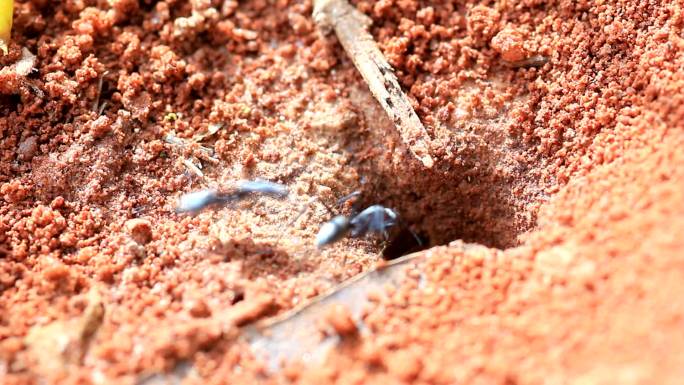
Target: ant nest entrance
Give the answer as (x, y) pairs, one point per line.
(484, 188)
(372, 219)
(441, 207)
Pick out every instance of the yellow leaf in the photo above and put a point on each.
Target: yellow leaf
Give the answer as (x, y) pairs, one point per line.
(6, 10)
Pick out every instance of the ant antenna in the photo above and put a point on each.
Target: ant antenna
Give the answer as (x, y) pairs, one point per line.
(402, 223)
(308, 204)
(347, 197)
(300, 213)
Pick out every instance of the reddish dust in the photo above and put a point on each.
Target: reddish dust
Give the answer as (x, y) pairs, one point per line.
(557, 133)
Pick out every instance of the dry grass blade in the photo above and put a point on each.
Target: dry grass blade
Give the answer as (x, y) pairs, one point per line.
(289, 337)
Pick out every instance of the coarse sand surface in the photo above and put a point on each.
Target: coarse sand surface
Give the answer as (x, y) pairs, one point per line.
(552, 220)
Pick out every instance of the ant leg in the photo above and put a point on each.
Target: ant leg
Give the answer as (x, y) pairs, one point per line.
(403, 224)
(347, 197)
(330, 211)
(301, 212)
(296, 218)
(417, 238)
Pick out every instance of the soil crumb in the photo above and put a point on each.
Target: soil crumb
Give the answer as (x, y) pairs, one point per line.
(556, 134)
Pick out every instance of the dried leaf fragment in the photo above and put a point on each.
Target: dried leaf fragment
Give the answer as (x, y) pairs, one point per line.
(62, 343)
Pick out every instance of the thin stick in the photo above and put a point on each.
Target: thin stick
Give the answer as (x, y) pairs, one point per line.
(351, 27)
(96, 103)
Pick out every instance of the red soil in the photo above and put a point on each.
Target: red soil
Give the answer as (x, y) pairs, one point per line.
(556, 127)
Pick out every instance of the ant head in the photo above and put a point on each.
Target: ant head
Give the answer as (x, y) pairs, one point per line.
(332, 231)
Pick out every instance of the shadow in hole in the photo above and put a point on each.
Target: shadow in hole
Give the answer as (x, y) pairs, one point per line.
(481, 194)
(443, 207)
(403, 243)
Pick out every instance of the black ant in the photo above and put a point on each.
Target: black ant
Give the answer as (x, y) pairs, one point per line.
(375, 219)
(199, 200)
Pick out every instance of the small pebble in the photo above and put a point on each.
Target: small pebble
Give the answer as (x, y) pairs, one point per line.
(140, 230)
(339, 317)
(510, 44)
(405, 364)
(199, 309)
(27, 148)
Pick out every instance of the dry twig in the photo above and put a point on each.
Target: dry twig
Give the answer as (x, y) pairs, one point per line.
(351, 27)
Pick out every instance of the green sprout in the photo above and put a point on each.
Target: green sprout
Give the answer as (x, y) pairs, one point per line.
(6, 11)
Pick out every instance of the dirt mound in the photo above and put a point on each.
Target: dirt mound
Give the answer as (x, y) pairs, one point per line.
(551, 217)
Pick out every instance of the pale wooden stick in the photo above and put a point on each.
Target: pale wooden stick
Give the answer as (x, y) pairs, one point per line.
(351, 27)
